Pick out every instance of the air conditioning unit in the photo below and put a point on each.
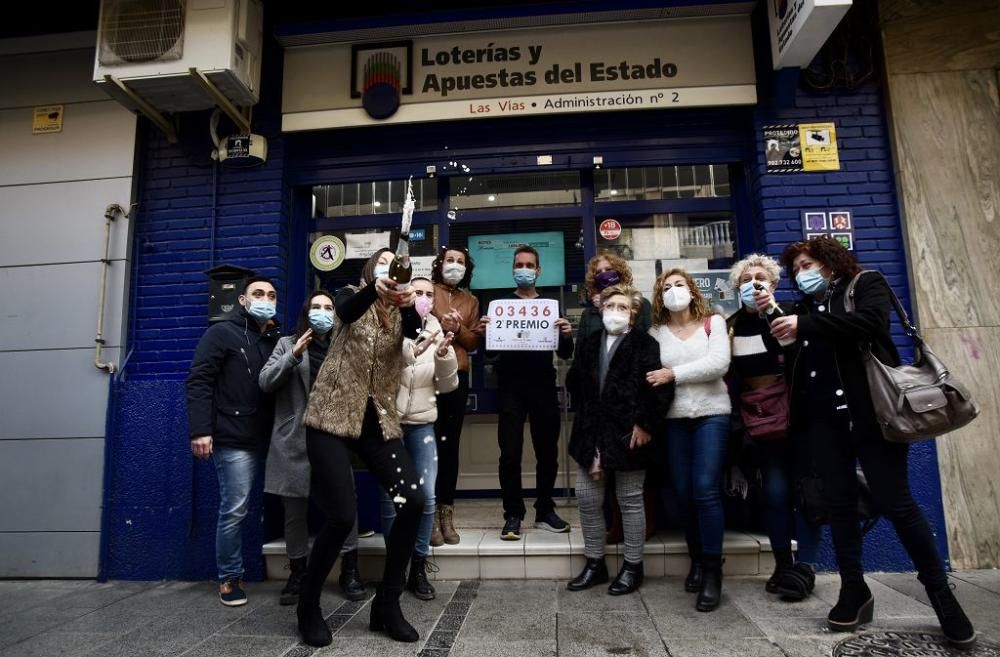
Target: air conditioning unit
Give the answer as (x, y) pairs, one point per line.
(151, 47)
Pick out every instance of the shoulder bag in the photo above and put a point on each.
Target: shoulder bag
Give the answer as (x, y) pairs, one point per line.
(917, 401)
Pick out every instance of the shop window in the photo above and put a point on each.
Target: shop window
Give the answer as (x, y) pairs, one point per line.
(360, 243)
(653, 243)
(515, 190)
(664, 182)
(373, 197)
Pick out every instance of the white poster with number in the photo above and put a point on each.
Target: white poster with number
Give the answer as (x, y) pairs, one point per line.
(522, 325)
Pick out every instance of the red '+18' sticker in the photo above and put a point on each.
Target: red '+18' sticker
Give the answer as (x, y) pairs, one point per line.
(610, 229)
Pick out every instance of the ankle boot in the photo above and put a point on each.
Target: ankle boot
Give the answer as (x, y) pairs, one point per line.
(437, 538)
(448, 532)
(388, 617)
(955, 625)
(417, 582)
(594, 572)
(312, 626)
(782, 562)
(854, 607)
(350, 577)
(290, 594)
(629, 579)
(696, 575)
(711, 589)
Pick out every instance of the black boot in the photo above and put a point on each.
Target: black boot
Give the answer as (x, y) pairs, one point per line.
(388, 617)
(782, 562)
(797, 582)
(350, 577)
(290, 594)
(312, 626)
(629, 579)
(695, 576)
(711, 589)
(417, 582)
(954, 623)
(594, 572)
(855, 606)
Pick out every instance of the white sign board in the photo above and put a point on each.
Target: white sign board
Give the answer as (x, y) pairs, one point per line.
(522, 325)
(363, 245)
(651, 64)
(799, 28)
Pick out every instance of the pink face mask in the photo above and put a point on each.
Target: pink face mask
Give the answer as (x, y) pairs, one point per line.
(423, 305)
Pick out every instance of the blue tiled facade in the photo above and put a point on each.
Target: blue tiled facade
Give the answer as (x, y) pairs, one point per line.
(160, 509)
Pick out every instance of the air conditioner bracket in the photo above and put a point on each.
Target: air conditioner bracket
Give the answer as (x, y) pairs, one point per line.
(145, 108)
(223, 103)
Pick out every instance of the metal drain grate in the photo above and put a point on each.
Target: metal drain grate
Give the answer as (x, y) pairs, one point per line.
(907, 644)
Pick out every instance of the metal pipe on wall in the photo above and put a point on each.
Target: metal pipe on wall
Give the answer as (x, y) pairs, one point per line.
(110, 213)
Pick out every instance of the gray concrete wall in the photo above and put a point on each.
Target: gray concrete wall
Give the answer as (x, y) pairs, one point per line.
(53, 192)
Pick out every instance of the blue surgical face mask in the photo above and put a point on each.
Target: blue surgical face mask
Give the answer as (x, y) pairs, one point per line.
(261, 310)
(525, 277)
(746, 294)
(320, 321)
(381, 271)
(810, 281)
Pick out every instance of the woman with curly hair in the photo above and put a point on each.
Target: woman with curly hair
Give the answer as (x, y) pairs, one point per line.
(694, 352)
(458, 312)
(603, 271)
(831, 407)
(757, 369)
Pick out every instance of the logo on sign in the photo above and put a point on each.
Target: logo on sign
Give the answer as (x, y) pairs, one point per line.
(381, 73)
(327, 253)
(610, 229)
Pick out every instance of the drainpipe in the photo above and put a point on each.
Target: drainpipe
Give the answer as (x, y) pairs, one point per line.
(110, 213)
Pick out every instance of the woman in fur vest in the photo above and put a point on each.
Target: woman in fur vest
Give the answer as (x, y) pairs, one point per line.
(617, 414)
(352, 408)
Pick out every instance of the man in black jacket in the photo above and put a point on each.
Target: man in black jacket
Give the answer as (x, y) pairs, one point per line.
(526, 390)
(230, 418)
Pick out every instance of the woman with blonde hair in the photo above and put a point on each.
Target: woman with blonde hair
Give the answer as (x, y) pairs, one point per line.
(694, 352)
(757, 377)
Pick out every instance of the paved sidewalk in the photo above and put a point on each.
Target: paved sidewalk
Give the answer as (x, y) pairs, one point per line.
(523, 618)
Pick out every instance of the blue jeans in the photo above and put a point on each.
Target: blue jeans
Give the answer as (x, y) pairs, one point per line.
(779, 470)
(419, 442)
(696, 451)
(236, 469)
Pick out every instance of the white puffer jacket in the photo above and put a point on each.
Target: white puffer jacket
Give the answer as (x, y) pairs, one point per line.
(424, 376)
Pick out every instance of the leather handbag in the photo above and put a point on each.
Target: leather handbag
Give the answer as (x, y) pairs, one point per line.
(917, 401)
(764, 411)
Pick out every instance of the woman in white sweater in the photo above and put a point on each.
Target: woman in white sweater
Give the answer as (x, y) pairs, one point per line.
(430, 367)
(694, 352)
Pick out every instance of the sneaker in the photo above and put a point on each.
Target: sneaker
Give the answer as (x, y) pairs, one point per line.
(231, 593)
(366, 533)
(551, 522)
(511, 529)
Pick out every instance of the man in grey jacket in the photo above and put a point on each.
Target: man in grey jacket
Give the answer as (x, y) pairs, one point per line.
(230, 418)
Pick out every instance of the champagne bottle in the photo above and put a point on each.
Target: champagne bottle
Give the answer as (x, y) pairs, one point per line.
(401, 269)
(774, 313)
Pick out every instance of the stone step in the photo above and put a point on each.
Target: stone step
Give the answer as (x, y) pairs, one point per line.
(542, 554)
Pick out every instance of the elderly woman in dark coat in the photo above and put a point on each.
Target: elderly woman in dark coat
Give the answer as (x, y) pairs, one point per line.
(618, 412)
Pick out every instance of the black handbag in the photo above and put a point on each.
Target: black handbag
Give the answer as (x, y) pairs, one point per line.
(917, 401)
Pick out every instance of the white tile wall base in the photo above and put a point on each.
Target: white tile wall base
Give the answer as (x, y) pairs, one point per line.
(544, 555)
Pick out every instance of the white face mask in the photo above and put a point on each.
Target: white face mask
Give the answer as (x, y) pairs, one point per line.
(677, 299)
(615, 322)
(452, 273)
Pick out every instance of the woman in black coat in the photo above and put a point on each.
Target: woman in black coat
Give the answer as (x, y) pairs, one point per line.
(832, 410)
(617, 415)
